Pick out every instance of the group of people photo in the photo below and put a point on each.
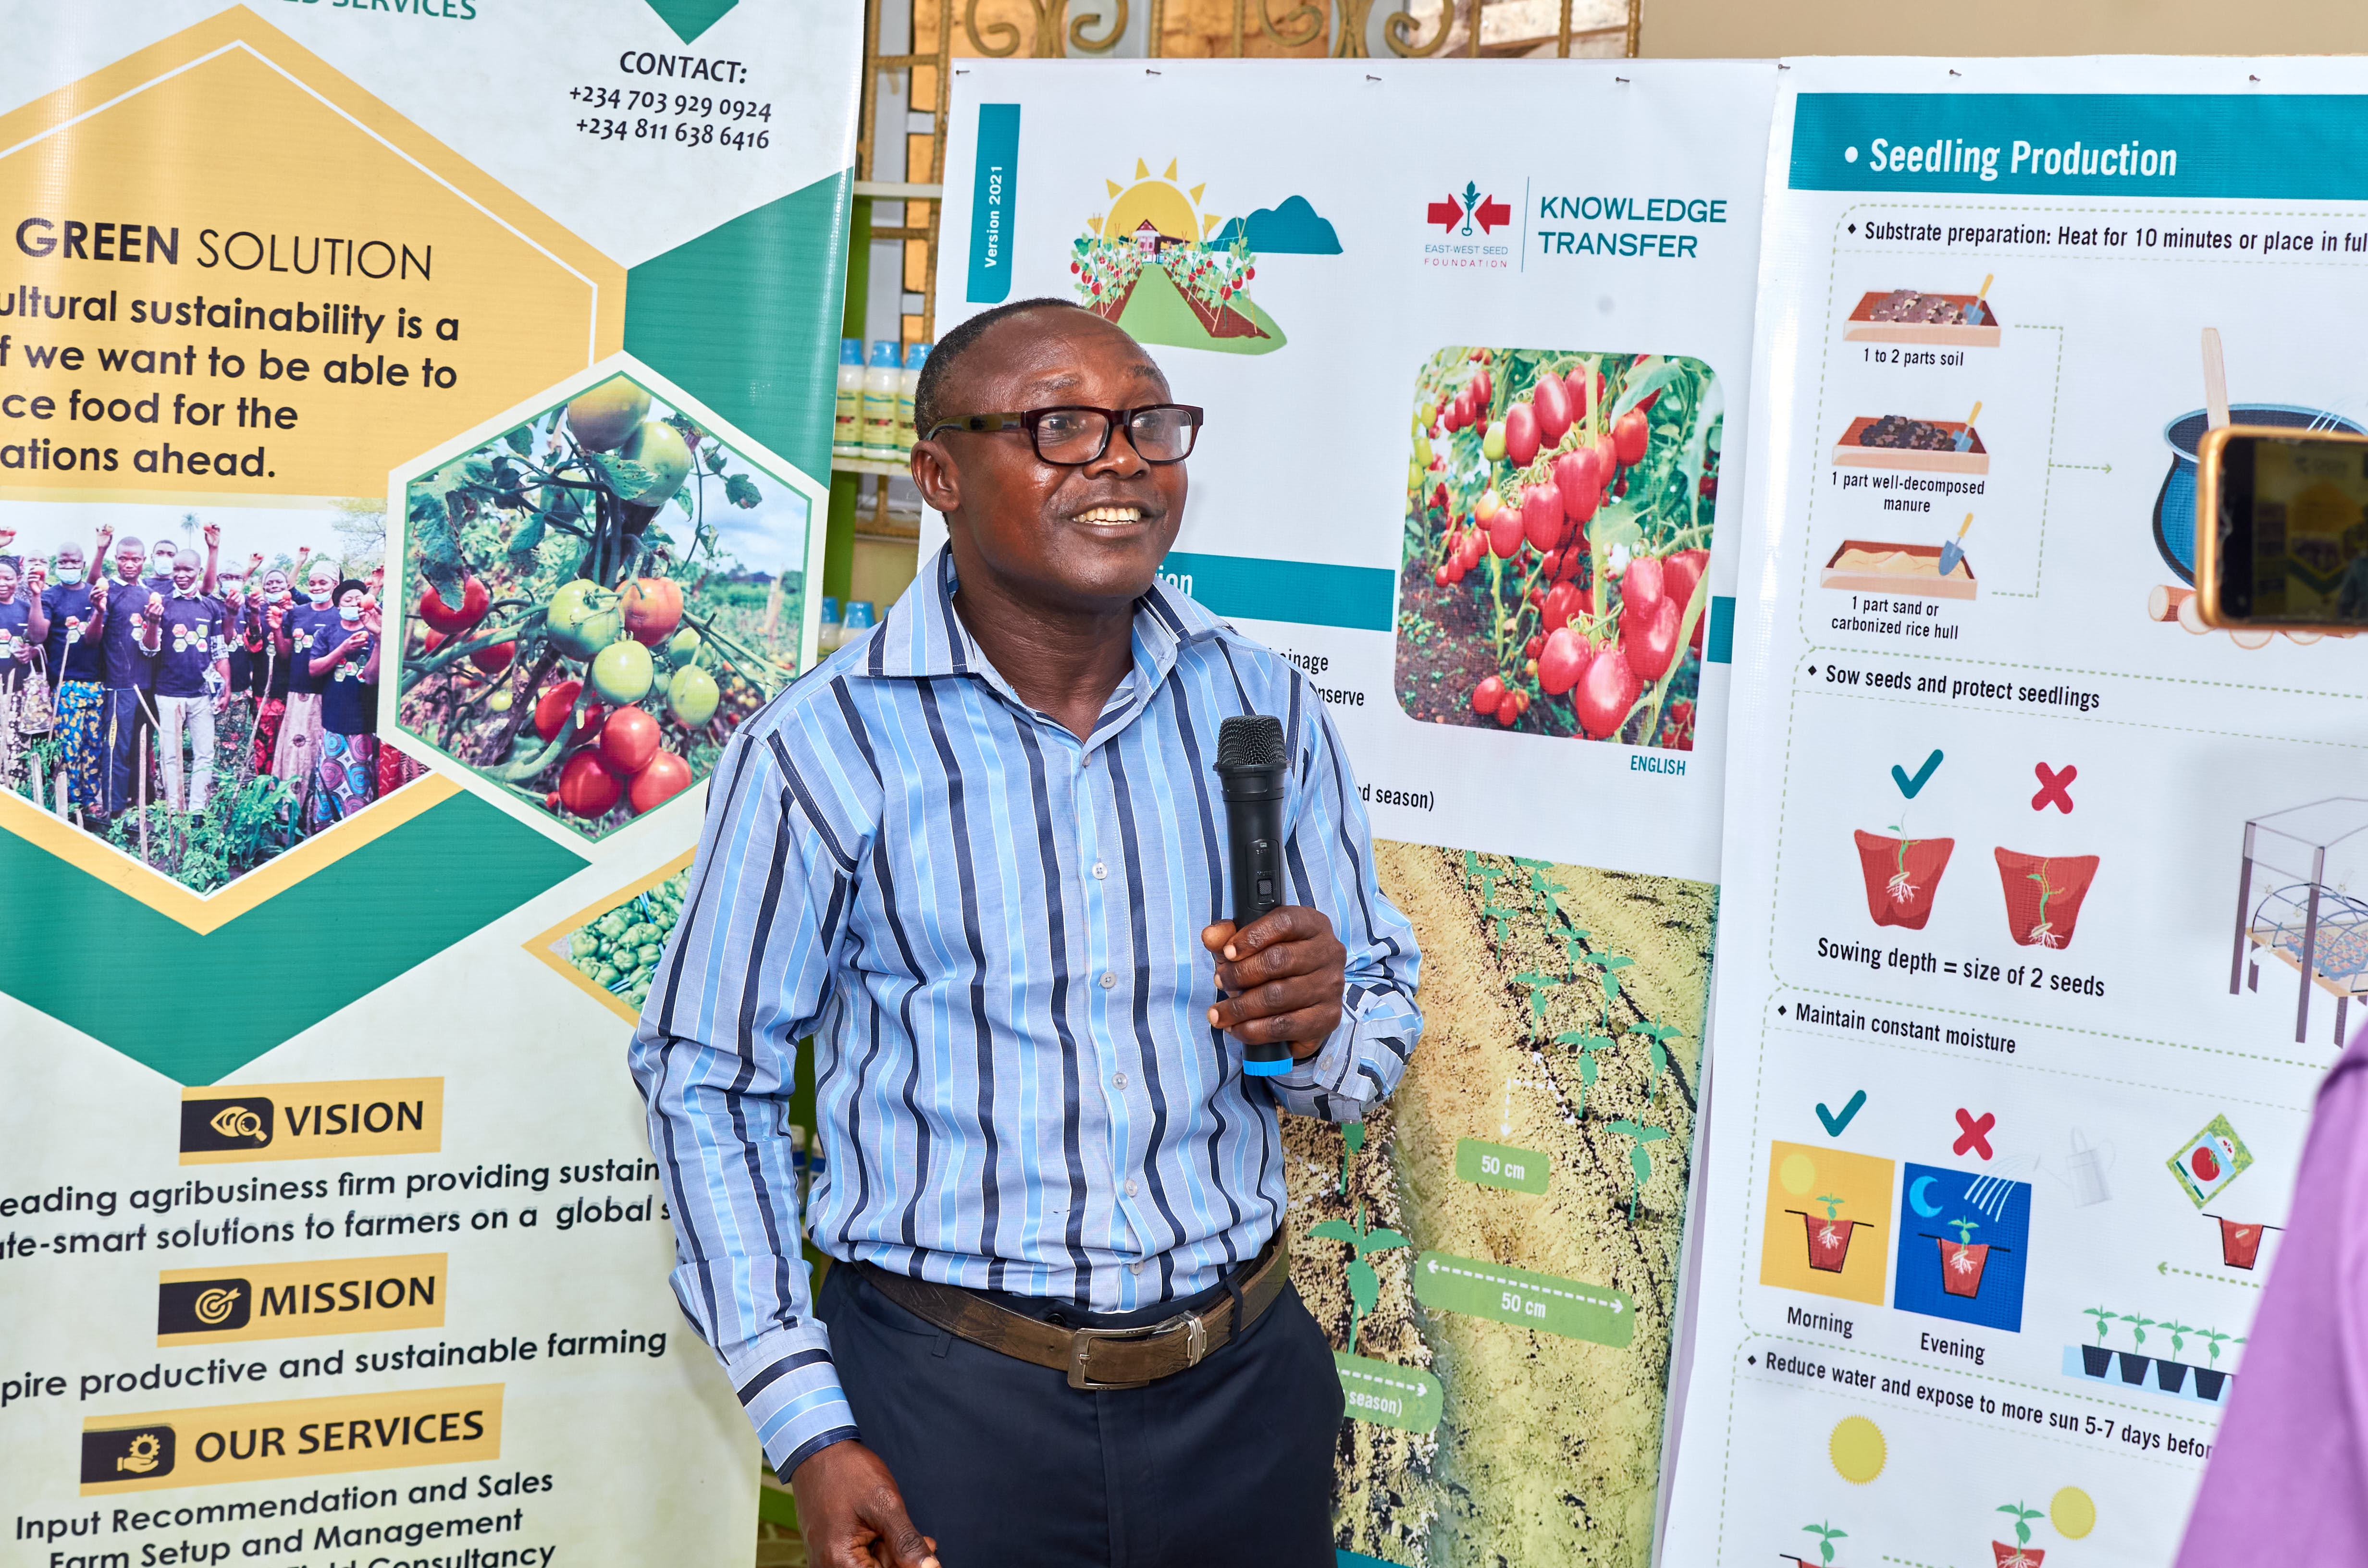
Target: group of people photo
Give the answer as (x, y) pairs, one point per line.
(202, 716)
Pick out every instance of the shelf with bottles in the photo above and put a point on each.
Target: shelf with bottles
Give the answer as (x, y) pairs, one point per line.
(871, 426)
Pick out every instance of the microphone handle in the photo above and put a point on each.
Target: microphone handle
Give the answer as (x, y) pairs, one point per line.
(1254, 828)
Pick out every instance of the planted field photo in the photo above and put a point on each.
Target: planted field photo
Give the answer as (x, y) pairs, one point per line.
(1557, 533)
(594, 601)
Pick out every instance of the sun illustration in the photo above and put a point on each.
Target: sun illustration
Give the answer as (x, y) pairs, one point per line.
(1173, 212)
(1169, 272)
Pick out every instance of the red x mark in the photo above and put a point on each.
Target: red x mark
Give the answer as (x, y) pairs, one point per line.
(2054, 787)
(1976, 1132)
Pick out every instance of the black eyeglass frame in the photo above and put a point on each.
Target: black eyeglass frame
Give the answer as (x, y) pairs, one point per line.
(1114, 419)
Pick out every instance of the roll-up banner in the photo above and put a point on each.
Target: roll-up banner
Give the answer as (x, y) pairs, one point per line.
(2041, 895)
(414, 432)
(1471, 343)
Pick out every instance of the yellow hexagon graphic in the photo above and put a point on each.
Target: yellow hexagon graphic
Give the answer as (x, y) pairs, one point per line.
(241, 275)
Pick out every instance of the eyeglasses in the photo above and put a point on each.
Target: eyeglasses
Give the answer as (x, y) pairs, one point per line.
(1162, 433)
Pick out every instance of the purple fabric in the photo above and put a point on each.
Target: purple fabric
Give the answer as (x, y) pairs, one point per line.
(2288, 1478)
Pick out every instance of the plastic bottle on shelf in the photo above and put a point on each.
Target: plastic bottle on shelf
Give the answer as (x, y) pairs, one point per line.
(916, 355)
(830, 637)
(857, 622)
(846, 424)
(881, 385)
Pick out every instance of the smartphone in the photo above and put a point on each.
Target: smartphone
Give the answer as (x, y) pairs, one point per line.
(2284, 541)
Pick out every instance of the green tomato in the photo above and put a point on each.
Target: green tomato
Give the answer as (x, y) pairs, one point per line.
(691, 696)
(622, 672)
(659, 447)
(684, 646)
(500, 702)
(1422, 455)
(582, 618)
(1492, 445)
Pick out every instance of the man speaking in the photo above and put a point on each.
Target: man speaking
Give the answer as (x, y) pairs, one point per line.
(979, 857)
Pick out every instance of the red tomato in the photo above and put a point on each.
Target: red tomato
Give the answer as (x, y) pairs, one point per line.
(586, 788)
(1604, 694)
(666, 777)
(1683, 573)
(1552, 564)
(1440, 576)
(1522, 430)
(1529, 648)
(1486, 695)
(1439, 496)
(1508, 709)
(1564, 662)
(1541, 515)
(1650, 640)
(495, 659)
(551, 801)
(1643, 586)
(1554, 407)
(629, 740)
(1481, 387)
(445, 618)
(1576, 384)
(1560, 602)
(1578, 480)
(1505, 530)
(1631, 434)
(1468, 551)
(653, 608)
(550, 709)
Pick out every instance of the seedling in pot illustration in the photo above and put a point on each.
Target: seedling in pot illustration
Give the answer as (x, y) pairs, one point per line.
(1364, 1285)
(1640, 1158)
(1588, 1044)
(2209, 1379)
(1658, 1052)
(2022, 1554)
(2095, 1359)
(1962, 1262)
(1829, 1238)
(2134, 1366)
(2043, 894)
(1902, 874)
(2169, 1371)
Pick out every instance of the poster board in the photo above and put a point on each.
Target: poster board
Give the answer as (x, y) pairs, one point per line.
(329, 1219)
(2015, 1054)
(1356, 276)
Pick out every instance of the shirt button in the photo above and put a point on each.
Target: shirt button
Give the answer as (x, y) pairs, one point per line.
(1108, 980)
(1130, 1188)
(1134, 1269)
(1120, 1080)
(1101, 870)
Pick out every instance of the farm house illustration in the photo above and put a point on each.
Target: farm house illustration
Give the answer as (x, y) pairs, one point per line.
(2305, 917)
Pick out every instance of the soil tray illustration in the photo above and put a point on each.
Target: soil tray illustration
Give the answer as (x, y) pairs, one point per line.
(1898, 442)
(1902, 876)
(1904, 315)
(1880, 566)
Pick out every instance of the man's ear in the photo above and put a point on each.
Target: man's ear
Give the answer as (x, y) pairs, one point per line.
(934, 476)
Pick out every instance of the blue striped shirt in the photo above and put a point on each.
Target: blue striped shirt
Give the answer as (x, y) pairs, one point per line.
(992, 932)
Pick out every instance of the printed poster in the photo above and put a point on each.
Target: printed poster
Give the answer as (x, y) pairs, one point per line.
(2039, 893)
(1476, 421)
(413, 443)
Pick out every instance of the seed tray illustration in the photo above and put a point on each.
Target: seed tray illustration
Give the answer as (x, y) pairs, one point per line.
(1904, 315)
(1880, 566)
(1888, 450)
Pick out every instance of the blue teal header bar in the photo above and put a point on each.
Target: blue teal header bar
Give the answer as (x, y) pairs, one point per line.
(2149, 145)
(994, 203)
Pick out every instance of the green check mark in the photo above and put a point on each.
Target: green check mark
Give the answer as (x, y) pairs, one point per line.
(1834, 1124)
(1912, 787)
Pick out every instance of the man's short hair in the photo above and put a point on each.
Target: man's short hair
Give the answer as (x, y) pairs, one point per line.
(949, 350)
(130, 542)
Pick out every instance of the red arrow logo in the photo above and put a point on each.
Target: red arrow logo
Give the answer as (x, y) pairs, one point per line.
(1492, 212)
(1447, 213)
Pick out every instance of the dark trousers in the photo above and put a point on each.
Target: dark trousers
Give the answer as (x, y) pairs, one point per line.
(1004, 1464)
(124, 726)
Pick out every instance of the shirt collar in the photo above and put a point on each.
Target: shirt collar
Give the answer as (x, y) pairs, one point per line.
(922, 636)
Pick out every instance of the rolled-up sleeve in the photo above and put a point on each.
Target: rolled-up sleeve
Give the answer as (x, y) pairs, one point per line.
(1328, 858)
(744, 976)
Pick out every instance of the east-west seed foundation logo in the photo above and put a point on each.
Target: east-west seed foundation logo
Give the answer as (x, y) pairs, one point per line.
(1469, 208)
(1170, 271)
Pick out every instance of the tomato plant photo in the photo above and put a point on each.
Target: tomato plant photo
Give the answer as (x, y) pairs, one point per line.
(594, 601)
(1557, 538)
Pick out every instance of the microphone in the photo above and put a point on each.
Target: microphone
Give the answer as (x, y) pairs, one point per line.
(1251, 762)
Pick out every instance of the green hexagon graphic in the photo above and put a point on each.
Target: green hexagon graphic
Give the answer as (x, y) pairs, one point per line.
(596, 590)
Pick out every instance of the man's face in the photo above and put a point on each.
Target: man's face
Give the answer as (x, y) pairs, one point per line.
(129, 558)
(70, 563)
(184, 575)
(275, 585)
(1087, 537)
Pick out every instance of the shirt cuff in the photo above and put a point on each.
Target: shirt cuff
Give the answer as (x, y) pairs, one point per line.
(793, 1400)
(1328, 1071)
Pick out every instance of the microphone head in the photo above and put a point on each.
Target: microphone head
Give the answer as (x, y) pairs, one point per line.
(1250, 740)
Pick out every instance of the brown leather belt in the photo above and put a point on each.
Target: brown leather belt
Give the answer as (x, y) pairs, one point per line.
(1093, 1357)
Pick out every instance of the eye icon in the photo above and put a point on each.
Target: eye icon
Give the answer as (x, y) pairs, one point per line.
(237, 1121)
(216, 1305)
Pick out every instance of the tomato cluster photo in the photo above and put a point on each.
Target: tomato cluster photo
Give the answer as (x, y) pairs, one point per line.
(578, 631)
(1558, 539)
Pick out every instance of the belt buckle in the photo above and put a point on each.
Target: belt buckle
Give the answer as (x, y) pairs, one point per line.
(1081, 1344)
